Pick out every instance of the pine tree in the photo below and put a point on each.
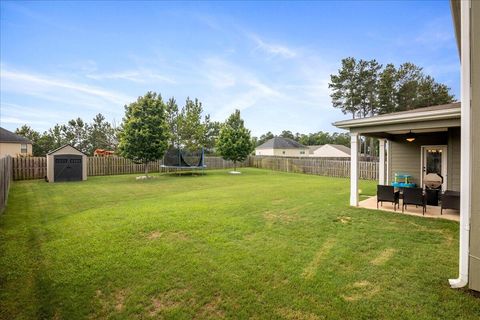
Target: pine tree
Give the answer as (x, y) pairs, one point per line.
(100, 135)
(345, 87)
(172, 121)
(234, 142)
(387, 90)
(191, 131)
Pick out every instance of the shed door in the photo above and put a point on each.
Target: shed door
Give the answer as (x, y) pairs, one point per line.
(68, 167)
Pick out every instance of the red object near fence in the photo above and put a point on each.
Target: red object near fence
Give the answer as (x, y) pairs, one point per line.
(103, 153)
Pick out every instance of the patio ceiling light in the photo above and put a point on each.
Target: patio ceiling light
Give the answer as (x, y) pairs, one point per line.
(410, 136)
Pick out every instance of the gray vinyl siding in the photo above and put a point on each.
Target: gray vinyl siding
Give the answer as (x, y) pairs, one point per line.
(453, 170)
(474, 282)
(405, 157)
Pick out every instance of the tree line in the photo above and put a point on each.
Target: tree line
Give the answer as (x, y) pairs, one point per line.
(365, 88)
(188, 128)
(86, 137)
(309, 139)
(150, 126)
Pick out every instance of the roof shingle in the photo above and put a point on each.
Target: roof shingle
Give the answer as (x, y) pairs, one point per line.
(8, 136)
(281, 143)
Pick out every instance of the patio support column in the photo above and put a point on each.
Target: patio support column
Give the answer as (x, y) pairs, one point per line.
(381, 161)
(354, 169)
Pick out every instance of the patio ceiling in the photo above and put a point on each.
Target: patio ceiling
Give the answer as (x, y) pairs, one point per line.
(418, 131)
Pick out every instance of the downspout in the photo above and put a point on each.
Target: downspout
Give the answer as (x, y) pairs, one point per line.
(465, 171)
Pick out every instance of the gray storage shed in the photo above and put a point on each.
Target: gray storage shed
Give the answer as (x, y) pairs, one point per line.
(66, 164)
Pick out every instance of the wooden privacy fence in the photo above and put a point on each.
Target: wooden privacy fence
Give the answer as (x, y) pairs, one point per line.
(26, 168)
(36, 167)
(104, 166)
(368, 170)
(5, 177)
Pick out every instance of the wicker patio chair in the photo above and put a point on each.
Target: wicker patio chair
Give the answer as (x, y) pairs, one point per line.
(388, 194)
(450, 200)
(415, 197)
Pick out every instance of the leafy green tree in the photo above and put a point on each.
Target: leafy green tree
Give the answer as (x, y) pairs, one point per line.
(264, 138)
(145, 133)
(287, 134)
(234, 142)
(341, 138)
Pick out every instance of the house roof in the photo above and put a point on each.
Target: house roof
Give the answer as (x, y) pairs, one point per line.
(440, 112)
(315, 147)
(65, 145)
(10, 137)
(281, 143)
(341, 147)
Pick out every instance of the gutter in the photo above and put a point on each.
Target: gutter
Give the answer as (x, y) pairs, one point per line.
(465, 158)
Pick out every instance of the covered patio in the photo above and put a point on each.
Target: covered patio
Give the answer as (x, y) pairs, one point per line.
(412, 145)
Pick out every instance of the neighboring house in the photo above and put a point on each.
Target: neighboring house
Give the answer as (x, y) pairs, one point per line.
(283, 147)
(12, 144)
(429, 139)
(330, 151)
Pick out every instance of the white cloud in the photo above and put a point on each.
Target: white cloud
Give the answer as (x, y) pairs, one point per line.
(231, 86)
(41, 85)
(273, 48)
(139, 76)
(18, 121)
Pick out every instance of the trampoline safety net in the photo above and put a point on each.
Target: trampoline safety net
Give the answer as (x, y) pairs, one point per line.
(180, 158)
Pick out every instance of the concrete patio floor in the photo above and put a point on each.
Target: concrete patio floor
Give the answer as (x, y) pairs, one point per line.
(432, 211)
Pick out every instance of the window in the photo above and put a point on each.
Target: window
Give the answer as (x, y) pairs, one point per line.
(75, 160)
(283, 152)
(302, 152)
(23, 148)
(61, 160)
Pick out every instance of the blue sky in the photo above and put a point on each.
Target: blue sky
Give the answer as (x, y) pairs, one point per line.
(271, 60)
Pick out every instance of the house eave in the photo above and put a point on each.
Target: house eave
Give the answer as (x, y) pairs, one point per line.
(398, 119)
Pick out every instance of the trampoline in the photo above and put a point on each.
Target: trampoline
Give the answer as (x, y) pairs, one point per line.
(181, 159)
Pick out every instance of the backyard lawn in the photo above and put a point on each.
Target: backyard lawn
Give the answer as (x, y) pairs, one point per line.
(261, 245)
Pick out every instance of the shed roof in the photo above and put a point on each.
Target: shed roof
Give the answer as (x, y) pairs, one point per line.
(10, 137)
(64, 146)
(281, 143)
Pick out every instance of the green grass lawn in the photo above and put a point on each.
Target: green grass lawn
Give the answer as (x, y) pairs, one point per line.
(261, 245)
